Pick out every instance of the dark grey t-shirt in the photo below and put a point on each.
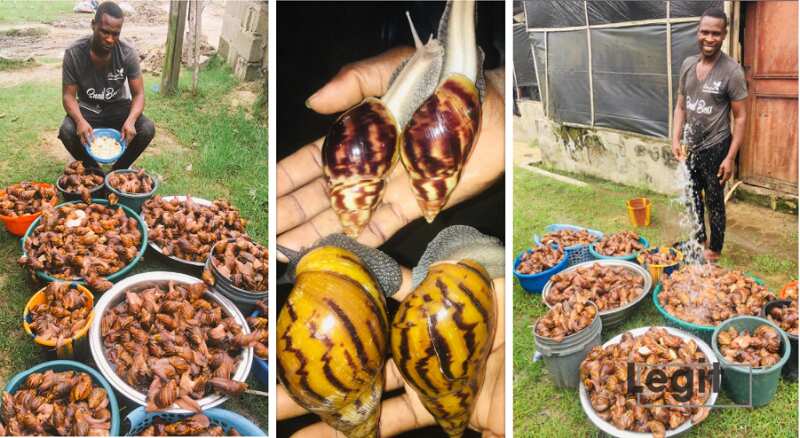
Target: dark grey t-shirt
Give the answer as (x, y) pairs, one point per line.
(708, 102)
(99, 88)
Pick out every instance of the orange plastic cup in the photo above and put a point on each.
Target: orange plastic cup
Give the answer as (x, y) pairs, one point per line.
(18, 225)
(639, 212)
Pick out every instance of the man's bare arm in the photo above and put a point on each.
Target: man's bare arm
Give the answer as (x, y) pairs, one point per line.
(70, 102)
(137, 106)
(678, 119)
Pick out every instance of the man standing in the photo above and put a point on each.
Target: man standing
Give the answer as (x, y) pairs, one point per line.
(712, 85)
(103, 87)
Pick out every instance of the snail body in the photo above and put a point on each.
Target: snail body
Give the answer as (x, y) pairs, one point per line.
(441, 338)
(440, 136)
(332, 339)
(362, 147)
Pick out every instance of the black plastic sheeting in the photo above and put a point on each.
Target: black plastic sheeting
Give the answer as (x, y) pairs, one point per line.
(629, 71)
(524, 70)
(539, 54)
(684, 44)
(692, 8)
(568, 73)
(620, 11)
(551, 14)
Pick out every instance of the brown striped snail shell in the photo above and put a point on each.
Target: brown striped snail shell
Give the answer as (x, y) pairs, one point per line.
(362, 146)
(440, 136)
(441, 338)
(332, 337)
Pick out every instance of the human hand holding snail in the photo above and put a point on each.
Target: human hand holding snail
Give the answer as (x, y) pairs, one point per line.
(406, 412)
(304, 209)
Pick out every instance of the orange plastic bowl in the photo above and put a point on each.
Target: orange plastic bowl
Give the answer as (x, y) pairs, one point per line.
(18, 225)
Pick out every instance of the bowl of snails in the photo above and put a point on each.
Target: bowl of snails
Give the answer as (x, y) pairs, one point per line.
(21, 204)
(216, 351)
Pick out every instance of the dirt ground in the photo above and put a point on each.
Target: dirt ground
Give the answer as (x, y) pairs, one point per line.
(46, 41)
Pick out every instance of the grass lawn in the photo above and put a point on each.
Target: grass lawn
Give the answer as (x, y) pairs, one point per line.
(202, 148)
(540, 409)
(40, 11)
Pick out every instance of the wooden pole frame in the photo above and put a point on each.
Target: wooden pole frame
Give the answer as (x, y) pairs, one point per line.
(172, 58)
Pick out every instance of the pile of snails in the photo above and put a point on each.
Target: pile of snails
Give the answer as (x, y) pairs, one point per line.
(131, 182)
(785, 317)
(428, 118)
(565, 319)
(26, 198)
(65, 311)
(196, 425)
(790, 291)
(79, 240)
(243, 262)
(604, 374)
(188, 230)
(762, 349)
(609, 287)
(51, 403)
(539, 259)
(79, 180)
(707, 294)
(171, 342)
(660, 258)
(259, 324)
(566, 238)
(619, 244)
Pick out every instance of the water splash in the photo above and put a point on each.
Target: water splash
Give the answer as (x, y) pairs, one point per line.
(688, 218)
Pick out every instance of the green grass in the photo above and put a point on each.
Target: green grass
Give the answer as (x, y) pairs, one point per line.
(15, 64)
(20, 11)
(227, 152)
(541, 409)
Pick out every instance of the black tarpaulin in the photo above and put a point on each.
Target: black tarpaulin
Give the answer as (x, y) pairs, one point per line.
(620, 11)
(692, 8)
(539, 54)
(554, 14)
(568, 77)
(684, 44)
(629, 71)
(524, 70)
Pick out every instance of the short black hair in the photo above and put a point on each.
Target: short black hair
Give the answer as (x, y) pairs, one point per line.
(109, 8)
(715, 12)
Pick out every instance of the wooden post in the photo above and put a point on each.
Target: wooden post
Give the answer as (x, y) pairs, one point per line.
(196, 17)
(172, 59)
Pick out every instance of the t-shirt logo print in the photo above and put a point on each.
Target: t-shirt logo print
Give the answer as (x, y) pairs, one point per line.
(713, 88)
(116, 75)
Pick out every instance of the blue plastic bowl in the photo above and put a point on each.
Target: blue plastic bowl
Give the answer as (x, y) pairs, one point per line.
(113, 277)
(260, 366)
(535, 283)
(107, 132)
(138, 420)
(628, 257)
(67, 365)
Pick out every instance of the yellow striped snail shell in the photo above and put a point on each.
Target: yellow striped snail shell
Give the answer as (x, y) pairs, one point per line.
(332, 339)
(441, 338)
(362, 146)
(440, 136)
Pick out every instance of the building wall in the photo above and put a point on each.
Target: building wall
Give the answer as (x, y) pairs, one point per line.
(243, 42)
(622, 157)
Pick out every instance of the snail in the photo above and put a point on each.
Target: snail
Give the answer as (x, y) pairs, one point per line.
(362, 146)
(332, 339)
(441, 338)
(440, 136)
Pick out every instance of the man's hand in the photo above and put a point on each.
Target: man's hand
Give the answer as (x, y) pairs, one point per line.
(304, 210)
(725, 170)
(85, 132)
(128, 131)
(677, 151)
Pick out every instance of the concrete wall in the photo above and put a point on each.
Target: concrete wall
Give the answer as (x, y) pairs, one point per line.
(243, 42)
(622, 157)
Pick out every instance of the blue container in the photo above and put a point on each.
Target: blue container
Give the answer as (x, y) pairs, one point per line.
(260, 366)
(67, 365)
(535, 282)
(107, 132)
(629, 257)
(575, 253)
(138, 420)
(113, 277)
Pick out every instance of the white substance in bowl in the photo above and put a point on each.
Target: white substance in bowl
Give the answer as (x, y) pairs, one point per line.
(105, 147)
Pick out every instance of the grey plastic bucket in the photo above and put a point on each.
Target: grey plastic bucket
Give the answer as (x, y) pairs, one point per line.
(243, 299)
(563, 359)
(134, 201)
